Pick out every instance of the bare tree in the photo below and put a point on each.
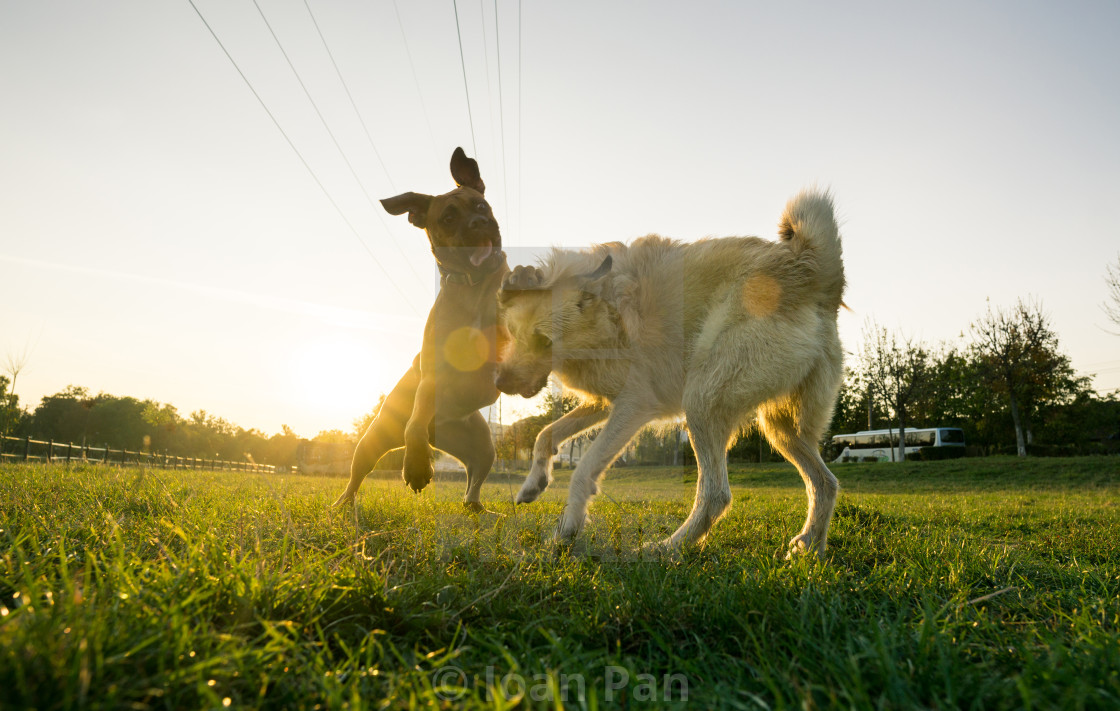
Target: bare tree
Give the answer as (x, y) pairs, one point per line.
(1111, 305)
(895, 371)
(1018, 353)
(14, 366)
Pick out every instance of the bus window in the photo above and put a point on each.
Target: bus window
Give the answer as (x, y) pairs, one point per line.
(920, 439)
(952, 436)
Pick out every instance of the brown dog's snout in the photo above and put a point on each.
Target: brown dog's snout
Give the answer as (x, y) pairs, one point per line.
(481, 224)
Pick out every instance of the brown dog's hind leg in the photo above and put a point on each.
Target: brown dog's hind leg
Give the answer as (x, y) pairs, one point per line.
(385, 433)
(469, 441)
(381, 437)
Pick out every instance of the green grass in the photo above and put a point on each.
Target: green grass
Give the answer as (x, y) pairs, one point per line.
(984, 584)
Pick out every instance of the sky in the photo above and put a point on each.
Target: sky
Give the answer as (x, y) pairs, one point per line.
(180, 222)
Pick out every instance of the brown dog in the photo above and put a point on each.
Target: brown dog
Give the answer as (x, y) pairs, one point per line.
(437, 401)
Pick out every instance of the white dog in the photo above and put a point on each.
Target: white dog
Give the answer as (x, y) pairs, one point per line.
(724, 330)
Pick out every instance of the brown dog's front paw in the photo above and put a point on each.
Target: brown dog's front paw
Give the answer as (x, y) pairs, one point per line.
(523, 279)
(418, 472)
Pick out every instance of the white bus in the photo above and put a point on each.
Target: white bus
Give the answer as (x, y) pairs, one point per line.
(882, 445)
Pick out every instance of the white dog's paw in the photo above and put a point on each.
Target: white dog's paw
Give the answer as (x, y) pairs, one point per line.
(803, 544)
(533, 487)
(528, 494)
(569, 527)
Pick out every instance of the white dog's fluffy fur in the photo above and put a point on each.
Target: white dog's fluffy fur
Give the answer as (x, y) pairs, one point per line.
(725, 331)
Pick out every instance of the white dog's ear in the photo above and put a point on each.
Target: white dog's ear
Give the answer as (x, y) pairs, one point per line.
(591, 285)
(602, 270)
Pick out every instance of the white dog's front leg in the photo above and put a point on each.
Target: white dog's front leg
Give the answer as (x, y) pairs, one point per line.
(548, 444)
(624, 422)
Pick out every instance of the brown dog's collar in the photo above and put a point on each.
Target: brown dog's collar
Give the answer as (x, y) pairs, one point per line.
(460, 278)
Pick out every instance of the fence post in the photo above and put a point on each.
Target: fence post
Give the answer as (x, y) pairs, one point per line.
(69, 452)
(26, 448)
(50, 451)
(105, 459)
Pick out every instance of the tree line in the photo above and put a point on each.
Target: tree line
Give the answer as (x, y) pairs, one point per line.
(75, 415)
(1006, 383)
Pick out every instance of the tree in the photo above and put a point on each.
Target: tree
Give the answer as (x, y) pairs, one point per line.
(333, 437)
(64, 416)
(855, 408)
(1112, 280)
(519, 437)
(1018, 355)
(362, 423)
(895, 371)
(9, 412)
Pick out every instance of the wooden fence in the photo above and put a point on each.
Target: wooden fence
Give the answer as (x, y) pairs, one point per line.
(30, 450)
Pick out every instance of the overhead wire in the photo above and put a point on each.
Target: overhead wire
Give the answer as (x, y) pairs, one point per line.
(310, 170)
(520, 211)
(376, 207)
(463, 64)
(415, 78)
(346, 88)
(486, 70)
(501, 111)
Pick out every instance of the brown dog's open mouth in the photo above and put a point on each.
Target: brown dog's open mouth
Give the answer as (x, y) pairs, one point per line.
(481, 253)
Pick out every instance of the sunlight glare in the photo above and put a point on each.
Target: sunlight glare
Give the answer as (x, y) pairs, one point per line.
(336, 376)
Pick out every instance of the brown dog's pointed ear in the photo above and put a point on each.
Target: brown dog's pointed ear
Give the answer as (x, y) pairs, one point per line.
(465, 171)
(415, 204)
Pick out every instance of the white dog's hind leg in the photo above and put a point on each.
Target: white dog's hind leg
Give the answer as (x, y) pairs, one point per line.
(713, 492)
(548, 444)
(624, 422)
(820, 485)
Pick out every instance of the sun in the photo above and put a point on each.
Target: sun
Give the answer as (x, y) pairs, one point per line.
(336, 379)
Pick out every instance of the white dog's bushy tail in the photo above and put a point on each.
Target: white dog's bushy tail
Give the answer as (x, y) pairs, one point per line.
(809, 226)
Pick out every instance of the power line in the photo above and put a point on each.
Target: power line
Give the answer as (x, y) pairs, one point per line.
(415, 79)
(342, 153)
(302, 160)
(349, 96)
(520, 203)
(463, 64)
(486, 70)
(501, 109)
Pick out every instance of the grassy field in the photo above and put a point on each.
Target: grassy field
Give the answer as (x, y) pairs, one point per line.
(985, 584)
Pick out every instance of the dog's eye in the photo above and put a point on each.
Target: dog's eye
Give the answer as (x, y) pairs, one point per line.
(541, 341)
(481, 207)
